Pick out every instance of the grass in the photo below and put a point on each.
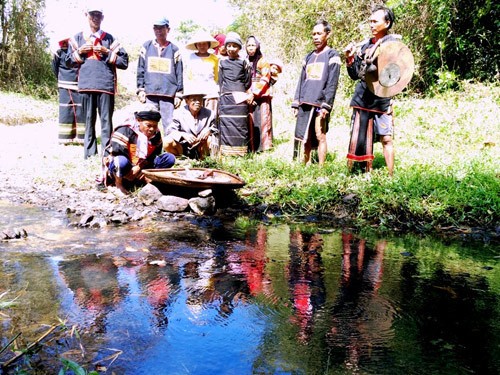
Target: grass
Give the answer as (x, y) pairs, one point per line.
(447, 173)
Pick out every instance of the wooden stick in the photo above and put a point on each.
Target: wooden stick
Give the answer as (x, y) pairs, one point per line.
(36, 342)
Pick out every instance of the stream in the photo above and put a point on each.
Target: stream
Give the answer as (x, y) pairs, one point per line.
(213, 297)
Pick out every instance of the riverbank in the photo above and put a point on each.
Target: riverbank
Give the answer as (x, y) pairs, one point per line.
(446, 180)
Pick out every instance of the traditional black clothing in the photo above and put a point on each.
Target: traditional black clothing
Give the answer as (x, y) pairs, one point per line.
(315, 91)
(368, 110)
(235, 78)
(71, 117)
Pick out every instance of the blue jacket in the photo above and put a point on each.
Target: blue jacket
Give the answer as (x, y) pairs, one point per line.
(159, 70)
(97, 73)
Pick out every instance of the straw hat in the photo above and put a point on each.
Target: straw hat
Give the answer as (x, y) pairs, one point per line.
(193, 91)
(199, 37)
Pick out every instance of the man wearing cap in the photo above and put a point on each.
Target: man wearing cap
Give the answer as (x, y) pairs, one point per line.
(97, 54)
(372, 115)
(190, 132)
(159, 73)
(135, 147)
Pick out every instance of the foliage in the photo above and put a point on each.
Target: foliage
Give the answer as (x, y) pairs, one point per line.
(74, 367)
(450, 37)
(24, 59)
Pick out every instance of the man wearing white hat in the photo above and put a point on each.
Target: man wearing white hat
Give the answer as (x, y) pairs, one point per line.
(159, 72)
(97, 54)
(190, 132)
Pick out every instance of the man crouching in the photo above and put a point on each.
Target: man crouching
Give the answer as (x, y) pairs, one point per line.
(134, 147)
(193, 129)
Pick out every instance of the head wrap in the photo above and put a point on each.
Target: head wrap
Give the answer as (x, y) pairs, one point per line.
(233, 37)
(148, 112)
(256, 57)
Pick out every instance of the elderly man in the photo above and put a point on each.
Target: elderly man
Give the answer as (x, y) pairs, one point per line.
(159, 73)
(372, 115)
(135, 147)
(190, 132)
(97, 55)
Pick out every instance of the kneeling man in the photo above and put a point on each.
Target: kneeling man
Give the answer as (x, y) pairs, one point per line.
(134, 147)
(190, 132)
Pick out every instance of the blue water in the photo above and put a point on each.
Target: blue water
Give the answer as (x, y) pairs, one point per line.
(212, 297)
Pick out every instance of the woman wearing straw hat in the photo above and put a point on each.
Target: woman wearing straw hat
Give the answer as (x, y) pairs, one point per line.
(201, 68)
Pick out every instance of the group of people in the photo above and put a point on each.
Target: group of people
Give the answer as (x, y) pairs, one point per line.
(227, 98)
(372, 118)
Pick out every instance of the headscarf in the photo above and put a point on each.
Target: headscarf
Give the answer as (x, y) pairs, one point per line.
(256, 57)
(221, 38)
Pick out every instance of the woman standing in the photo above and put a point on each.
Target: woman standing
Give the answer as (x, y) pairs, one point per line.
(201, 71)
(235, 81)
(260, 120)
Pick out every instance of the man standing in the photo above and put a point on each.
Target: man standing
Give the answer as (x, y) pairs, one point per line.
(190, 132)
(98, 55)
(313, 101)
(372, 115)
(159, 73)
(71, 116)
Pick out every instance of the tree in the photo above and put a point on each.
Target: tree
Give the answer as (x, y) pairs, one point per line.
(24, 59)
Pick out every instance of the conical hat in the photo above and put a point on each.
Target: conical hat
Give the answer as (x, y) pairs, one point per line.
(201, 36)
(395, 66)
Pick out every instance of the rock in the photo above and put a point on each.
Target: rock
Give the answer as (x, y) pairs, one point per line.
(119, 218)
(205, 193)
(202, 206)
(86, 219)
(99, 222)
(172, 203)
(149, 194)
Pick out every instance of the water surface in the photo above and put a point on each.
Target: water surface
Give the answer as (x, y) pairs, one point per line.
(211, 297)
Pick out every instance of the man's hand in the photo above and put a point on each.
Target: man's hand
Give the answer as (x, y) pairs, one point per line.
(350, 52)
(323, 113)
(86, 48)
(205, 133)
(295, 112)
(189, 138)
(177, 102)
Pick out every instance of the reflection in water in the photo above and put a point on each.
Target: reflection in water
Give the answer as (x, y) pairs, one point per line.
(277, 299)
(362, 319)
(305, 277)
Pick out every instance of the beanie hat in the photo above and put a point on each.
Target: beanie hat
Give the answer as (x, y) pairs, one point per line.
(233, 37)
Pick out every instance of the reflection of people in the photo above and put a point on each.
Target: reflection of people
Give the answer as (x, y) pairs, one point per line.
(160, 285)
(372, 115)
(201, 68)
(71, 119)
(94, 282)
(313, 101)
(261, 120)
(234, 82)
(135, 147)
(191, 130)
(305, 278)
(159, 72)
(361, 319)
(97, 55)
